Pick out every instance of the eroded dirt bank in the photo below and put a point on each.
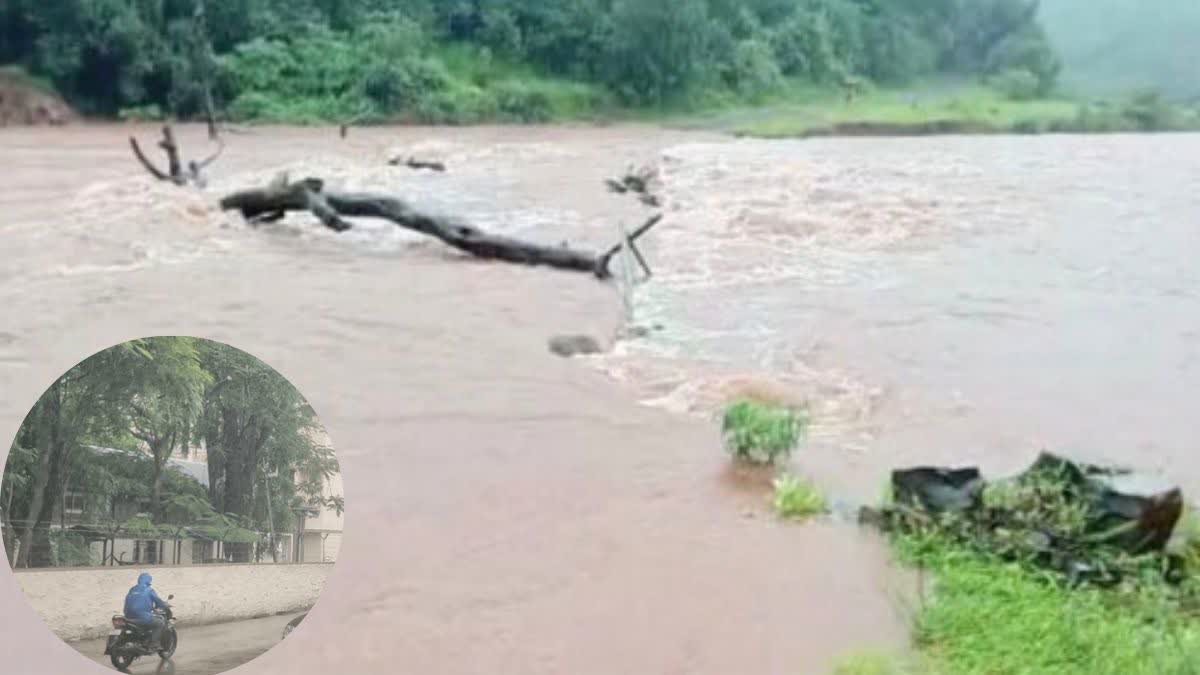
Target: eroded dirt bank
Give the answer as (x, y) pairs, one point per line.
(23, 104)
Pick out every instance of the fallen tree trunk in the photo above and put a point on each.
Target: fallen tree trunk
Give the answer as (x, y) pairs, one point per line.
(333, 207)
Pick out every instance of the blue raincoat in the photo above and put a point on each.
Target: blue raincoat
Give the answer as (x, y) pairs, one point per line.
(141, 600)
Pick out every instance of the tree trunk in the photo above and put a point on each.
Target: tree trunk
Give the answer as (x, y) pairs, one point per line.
(48, 411)
(331, 207)
(271, 520)
(42, 553)
(160, 449)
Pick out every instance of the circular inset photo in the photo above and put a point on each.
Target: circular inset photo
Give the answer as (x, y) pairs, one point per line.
(172, 504)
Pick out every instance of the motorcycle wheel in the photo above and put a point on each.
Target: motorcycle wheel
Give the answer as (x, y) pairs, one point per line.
(122, 661)
(171, 641)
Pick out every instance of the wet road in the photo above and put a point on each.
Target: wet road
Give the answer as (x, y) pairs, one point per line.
(204, 650)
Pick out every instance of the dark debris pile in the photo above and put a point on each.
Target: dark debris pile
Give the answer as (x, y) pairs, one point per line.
(1092, 524)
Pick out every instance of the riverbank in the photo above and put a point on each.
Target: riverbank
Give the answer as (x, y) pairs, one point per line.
(25, 101)
(954, 109)
(502, 497)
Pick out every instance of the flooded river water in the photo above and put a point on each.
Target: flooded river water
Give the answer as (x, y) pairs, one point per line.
(950, 299)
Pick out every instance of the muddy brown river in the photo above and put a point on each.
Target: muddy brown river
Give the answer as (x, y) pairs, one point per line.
(951, 300)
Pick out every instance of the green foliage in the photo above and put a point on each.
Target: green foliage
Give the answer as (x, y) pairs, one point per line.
(754, 71)
(987, 616)
(1029, 52)
(1149, 112)
(796, 497)
(878, 663)
(897, 53)
(1016, 84)
(998, 566)
(1142, 112)
(321, 60)
(70, 550)
(521, 102)
(659, 48)
(761, 433)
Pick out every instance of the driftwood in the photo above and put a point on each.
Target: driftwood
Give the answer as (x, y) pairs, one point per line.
(639, 182)
(414, 163)
(175, 172)
(332, 208)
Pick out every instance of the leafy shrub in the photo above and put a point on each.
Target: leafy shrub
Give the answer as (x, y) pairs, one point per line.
(1030, 51)
(522, 102)
(69, 549)
(500, 32)
(754, 71)
(896, 52)
(760, 433)
(1016, 84)
(658, 48)
(804, 47)
(1147, 111)
(797, 498)
(396, 86)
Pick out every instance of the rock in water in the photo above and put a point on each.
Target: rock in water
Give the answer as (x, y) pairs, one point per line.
(574, 345)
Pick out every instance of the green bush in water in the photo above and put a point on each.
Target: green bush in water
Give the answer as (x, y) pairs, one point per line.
(796, 497)
(761, 433)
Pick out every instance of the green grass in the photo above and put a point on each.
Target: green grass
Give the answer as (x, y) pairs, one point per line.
(797, 497)
(880, 663)
(989, 617)
(761, 433)
(966, 108)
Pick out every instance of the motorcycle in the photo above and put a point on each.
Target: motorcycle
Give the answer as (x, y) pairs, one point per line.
(127, 642)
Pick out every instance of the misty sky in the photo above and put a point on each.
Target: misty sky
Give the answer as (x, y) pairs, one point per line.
(1112, 46)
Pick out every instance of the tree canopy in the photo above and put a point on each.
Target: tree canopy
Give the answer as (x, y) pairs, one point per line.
(460, 60)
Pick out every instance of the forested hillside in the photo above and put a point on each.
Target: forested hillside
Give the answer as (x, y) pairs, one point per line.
(468, 60)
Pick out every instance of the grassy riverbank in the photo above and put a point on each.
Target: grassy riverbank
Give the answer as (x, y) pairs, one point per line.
(962, 108)
(982, 615)
(989, 616)
(994, 601)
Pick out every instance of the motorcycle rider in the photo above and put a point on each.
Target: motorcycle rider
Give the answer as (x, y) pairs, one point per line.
(140, 603)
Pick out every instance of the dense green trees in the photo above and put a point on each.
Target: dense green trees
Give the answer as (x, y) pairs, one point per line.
(147, 399)
(473, 59)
